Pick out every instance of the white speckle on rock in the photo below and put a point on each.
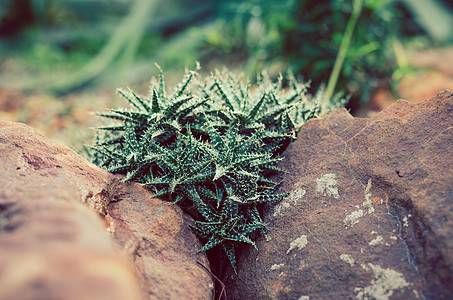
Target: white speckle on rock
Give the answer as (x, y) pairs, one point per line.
(276, 266)
(405, 221)
(393, 237)
(277, 210)
(353, 218)
(378, 240)
(304, 298)
(384, 284)
(293, 197)
(296, 195)
(373, 232)
(300, 243)
(368, 204)
(348, 259)
(327, 184)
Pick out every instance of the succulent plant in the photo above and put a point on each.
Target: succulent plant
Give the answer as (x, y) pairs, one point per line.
(211, 146)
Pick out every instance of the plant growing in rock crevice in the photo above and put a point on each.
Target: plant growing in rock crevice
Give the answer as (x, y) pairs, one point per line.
(211, 146)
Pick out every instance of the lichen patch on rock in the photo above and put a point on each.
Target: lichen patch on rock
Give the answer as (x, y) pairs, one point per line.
(293, 198)
(276, 266)
(326, 184)
(348, 259)
(368, 204)
(384, 284)
(405, 220)
(377, 241)
(353, 218)
(298, 243)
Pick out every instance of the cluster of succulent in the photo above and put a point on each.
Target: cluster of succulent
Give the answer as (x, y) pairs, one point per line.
(211, 146)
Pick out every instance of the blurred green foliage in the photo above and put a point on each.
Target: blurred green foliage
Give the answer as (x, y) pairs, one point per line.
(306, 35)
(66, 36)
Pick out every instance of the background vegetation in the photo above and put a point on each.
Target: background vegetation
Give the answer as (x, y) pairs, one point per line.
(60, 59)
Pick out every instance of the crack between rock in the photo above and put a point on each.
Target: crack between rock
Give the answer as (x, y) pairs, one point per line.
(347, 147)
(317, 239)
(408, 253)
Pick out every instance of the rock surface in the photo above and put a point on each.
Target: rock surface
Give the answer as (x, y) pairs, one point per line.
(369, 213)
(54, 247)
(155, 235)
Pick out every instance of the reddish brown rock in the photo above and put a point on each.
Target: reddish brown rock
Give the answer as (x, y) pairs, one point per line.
(54, 247)
(369, 213)
(155, 235)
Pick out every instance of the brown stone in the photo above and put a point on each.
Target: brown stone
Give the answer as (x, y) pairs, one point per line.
(155, 235)
(369, 213)
(54, 247)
